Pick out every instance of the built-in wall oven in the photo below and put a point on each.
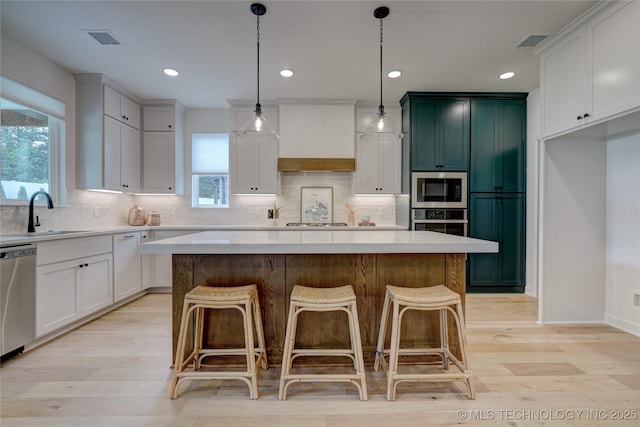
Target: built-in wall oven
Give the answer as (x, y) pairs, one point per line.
(439, 202)
(448, 221)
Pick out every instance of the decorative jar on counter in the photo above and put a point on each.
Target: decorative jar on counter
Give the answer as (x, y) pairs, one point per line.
(153, 218)
(136, 216)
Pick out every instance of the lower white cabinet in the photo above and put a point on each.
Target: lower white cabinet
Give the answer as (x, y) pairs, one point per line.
(69, 290)
(127, 262)
(74, 278)
(164, 267)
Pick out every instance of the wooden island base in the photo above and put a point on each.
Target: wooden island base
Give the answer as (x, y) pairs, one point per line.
(276, 275)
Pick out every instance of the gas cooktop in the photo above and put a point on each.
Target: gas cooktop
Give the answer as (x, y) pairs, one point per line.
(316, 224)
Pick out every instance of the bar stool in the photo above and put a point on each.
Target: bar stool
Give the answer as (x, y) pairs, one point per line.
(201, 298)
(304, 298)
(426, 299)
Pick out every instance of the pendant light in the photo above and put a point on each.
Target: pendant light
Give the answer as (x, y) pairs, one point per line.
(258, 124)
(382, 126)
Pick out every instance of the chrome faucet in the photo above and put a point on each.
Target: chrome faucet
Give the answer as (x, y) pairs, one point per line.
(31, 228)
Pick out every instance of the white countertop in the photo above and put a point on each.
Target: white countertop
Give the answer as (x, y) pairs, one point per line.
(39, 236)
(317, 242)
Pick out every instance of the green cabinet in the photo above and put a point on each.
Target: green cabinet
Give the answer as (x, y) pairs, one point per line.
(439, 134)
(497, 146)
(501, 218)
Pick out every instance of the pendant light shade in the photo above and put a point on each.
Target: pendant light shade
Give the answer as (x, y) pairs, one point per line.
(258, 124)
(382, 126)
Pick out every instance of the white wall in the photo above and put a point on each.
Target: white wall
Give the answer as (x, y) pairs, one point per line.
(531, 248)
(623, 233)
(572, 263)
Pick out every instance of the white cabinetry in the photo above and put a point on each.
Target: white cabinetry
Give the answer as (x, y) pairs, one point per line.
(122, 153)
(254, 159)
(73, 279)
(108, 136)
(163, 262)
(127, 279)
(378, 166)
(121, 108)
(590, 73)
(378, 160)
(163, 149)
(148, 263)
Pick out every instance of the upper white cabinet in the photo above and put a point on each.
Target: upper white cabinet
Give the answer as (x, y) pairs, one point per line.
(590, 73)
(378, 166)
(378, 160)
(253, 159)
(122, 154)
(121, 108)
(159, 118)
(108, 137)
(163, 149)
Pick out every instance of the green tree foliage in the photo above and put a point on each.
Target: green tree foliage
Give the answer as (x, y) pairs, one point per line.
(25, 153)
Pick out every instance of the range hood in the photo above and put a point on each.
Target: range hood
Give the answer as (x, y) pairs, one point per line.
(317, 136)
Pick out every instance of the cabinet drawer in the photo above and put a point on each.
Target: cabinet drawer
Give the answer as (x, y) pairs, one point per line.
(66, 249)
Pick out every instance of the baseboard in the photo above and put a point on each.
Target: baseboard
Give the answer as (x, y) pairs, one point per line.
(622, 324)
(159, 290)
(573, 322)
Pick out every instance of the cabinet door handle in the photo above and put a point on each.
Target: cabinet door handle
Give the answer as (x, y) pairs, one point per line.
(169, 126)
(586, 115)
(439, 166)
(128, 236)
(579, 118)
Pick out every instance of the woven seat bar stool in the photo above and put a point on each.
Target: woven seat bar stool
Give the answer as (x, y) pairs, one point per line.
(432, 298)
(201, 298)
(303, 299)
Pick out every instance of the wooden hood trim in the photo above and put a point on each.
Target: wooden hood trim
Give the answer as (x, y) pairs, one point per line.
(296, 164)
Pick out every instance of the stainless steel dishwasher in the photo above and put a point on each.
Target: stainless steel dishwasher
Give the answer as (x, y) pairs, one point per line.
(18, 298)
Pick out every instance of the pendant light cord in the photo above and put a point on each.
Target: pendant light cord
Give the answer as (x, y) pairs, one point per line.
(381, 107)
(258, 60)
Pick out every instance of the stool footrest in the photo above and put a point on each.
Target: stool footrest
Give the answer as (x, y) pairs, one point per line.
(433, 377)
(322, 352)
(226, 352)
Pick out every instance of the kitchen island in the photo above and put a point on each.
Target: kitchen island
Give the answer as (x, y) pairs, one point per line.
(278, 260)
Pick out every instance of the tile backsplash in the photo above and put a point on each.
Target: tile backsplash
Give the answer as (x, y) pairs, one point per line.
(87, 209)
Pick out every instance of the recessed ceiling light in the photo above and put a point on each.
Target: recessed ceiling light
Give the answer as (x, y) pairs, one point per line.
(507, 75)
(394, 74)
(287, 73)
(171, 72)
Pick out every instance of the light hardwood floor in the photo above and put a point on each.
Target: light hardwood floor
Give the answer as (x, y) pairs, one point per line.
(115, 371)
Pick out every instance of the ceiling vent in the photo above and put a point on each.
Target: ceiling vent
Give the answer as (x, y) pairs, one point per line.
(531, 41)
(103, 37)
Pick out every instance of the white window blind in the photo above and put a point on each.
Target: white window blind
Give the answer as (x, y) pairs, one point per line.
(210, 153)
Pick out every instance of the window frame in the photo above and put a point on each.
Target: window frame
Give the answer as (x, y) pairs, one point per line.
(195, 176)
(55, 110)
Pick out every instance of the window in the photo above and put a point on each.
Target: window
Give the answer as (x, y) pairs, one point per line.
(27, 141)
(210, 169)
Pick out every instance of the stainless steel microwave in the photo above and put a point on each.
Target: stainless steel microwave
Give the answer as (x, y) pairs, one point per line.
(439, 190)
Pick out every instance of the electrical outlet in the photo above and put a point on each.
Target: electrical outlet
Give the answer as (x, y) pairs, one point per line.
(96, 211)
(380, 211)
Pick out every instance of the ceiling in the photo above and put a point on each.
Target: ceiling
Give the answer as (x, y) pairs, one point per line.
(333, 46)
